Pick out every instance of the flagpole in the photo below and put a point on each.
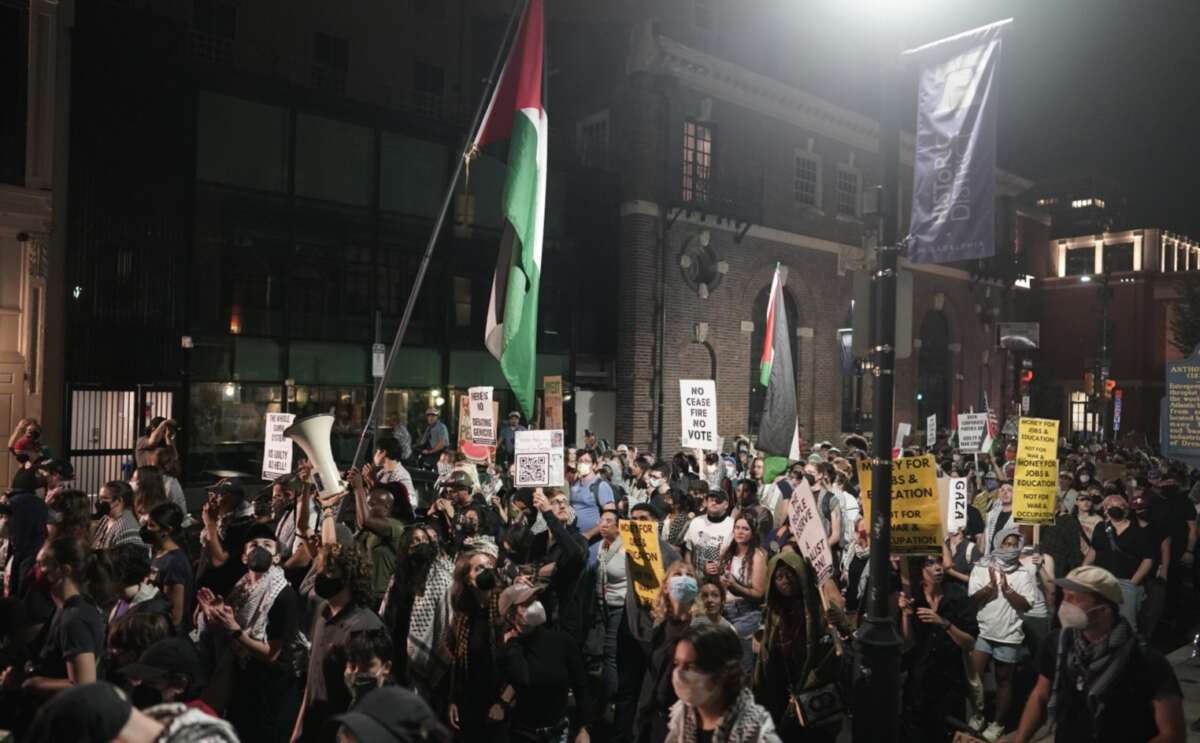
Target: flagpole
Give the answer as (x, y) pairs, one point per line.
(488, 90)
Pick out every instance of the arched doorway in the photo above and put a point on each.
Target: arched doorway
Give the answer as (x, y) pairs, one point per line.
(758, 393)
(935, 370)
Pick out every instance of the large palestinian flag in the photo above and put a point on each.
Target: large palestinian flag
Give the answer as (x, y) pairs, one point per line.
(778, 432)
(516, 112)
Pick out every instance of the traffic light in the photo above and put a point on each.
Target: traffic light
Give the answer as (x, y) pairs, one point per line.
(1026, 380)
(1089, 384)
(1109, 386)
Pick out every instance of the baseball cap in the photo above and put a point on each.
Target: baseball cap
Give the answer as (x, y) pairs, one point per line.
(515, 595)
(431, 411)
(389, 714)
(174, 655)
(717, 494)
(229, 486)
(1092, 579)
(89, 713)
(60, 467)
(514, 414)
(458, 481)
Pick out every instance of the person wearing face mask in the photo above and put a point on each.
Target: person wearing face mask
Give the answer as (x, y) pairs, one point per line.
(131, 569)
(343, 584)
(368, 664)
(673, 612)
(541, 665)
(709, 535)
(1099, 679)
(477, 707)
(1066, 492)
(294, 516)
(257, 624)
(170, 569)
(1123, 548)
(713, 703)
(1158, 538)
(590, 493)
(430, 573)
(115, 523)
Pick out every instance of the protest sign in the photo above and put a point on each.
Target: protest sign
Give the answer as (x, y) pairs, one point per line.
(483, 420)
(538, 457)
(645, 564)
(809, 532)
(554, 403)
(956, 515)
(917, 515)
(698, 404)
(277, 448)
(972, 429)
(1035, 483)
(1181, 422)
(477, 453)
(931, 431)
(902, 432)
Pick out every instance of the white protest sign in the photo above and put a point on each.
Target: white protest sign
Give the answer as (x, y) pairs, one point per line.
(902, 432)
(931, 431)
(972, 428)
(277, 448)
(809, 532)
(956, 513)
(698, 403)
(483, 422)
(538, 456)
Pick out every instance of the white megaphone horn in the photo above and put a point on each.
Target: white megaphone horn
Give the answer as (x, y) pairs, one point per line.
(312, 434)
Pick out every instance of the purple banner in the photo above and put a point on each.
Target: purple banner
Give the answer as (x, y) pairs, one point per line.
(954, 169)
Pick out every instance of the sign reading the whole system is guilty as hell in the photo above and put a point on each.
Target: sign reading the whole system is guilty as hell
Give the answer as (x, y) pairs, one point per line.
(916, 505)
(698, 403)
(277, 448)
(1035, 482)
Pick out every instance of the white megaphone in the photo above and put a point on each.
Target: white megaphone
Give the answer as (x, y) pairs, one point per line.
(312, 434)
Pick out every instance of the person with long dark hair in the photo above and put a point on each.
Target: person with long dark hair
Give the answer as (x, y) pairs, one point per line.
(744, 578)
(477, 711)
(115, 522)
(170, 568)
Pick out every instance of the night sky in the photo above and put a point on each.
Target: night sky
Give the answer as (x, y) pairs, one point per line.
(1106, 87)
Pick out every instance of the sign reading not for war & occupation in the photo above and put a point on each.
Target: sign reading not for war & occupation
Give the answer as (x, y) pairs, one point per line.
(916, 506)
(698, 403)
(640, 539)
(1035, 483)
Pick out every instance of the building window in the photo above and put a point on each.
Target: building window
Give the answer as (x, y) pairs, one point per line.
(214, 27)
(1081, 420)
(697, 161)
(330, 60)
(1084, 203)
(806, 182)
(591, 140)
(462, 301)
(430, 86)
(702, 14)
(1047, 201)
(847, 192)
(14, 82)
(1081, 261)
(1118, 258)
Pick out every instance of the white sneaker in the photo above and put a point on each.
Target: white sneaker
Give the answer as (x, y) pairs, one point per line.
(993, 732)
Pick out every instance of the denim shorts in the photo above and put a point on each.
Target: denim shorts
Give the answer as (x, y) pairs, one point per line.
(1004, 652)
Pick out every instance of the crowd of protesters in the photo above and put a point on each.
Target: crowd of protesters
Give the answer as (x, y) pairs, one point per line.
(474, 610)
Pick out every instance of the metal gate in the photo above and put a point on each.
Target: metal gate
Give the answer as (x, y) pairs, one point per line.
(105, 423)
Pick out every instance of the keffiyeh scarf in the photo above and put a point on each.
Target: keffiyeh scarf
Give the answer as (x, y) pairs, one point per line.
(743, 722)
(430, 622)
(252, 600)
(1093, 667)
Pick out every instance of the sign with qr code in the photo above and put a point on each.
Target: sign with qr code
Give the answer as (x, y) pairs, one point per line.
(277, 448)
(538, 456)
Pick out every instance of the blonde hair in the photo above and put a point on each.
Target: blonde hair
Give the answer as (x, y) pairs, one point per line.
(662, 605)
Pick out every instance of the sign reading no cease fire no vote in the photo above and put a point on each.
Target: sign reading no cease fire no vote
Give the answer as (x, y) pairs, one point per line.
(698, 403)
(916, 506)
(1035, 483)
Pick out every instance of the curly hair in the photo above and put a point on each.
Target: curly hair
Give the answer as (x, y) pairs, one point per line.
(135, 631)
(354, 565)
(662, 605)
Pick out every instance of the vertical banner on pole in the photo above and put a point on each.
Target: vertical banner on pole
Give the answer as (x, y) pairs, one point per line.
(698, 407)
(956, 517)
(553, 391)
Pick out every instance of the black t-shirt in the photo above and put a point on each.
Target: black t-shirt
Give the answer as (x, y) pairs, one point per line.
(173, 569)
(76, 628)
(1174, 510)
(283, 622)
(220, 580)
(975, 522)
(1121, 554)
(1128, 713)
(1156, 532)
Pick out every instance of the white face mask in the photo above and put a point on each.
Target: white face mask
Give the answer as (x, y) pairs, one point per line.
(584, 469)
(1085, 479)
(654, 483)
(1075, 617)
(693, 687)
(535, 615)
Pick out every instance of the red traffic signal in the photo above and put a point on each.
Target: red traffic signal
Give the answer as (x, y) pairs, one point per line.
(1109, 386)
(1027, 376)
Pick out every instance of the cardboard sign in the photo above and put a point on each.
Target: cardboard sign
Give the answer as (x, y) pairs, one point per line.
(277, 448)
(902, 432)
(931, 431)
(1106, 471)
(956, 514)
(1035, 483)
(972, 430)
(809, 531)
(643, 563)
(698, 405)
(553, 390)
(539, 458)
(483, 419)
(917, 515)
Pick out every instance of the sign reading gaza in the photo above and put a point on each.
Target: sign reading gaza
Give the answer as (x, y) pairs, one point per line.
(698, 404)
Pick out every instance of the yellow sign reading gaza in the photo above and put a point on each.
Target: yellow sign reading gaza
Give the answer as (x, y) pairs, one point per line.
(916, 507)
(1035, 482)
(645, 565)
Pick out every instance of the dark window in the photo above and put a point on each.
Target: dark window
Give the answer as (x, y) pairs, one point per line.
(806, 185)
(697, 161)
(935, 370)
(14, 72)
(1118, 258)
(758, 393)
(215, 18)
(1081, 261)
(330, 60)
(429, 83)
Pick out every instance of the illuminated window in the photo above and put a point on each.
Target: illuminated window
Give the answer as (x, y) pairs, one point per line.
(1047, 201)
(1081, 203)
(1081, 420)
(847, 192)
(806, 183)
(697, 161)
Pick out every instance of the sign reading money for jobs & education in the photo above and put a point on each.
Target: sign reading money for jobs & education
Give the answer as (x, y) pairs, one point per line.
(1035, 483)
(277, 448)
(538, 456)
(698, 403)
(916, 506)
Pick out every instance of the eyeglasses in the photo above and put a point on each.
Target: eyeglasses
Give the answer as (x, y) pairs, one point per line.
(559, 502)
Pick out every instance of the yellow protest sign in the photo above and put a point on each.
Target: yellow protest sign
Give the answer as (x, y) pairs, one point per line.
(917, 510)
(1035, 482)
(645, 565)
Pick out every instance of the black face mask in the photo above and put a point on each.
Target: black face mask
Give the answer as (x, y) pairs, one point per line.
(259, 560)
(145, 695)
(1116, 514)
(362, 684)
(486, 579)
(103, 508)
(327, 586)
(423, 553)
(470, 528)
(149, 537)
